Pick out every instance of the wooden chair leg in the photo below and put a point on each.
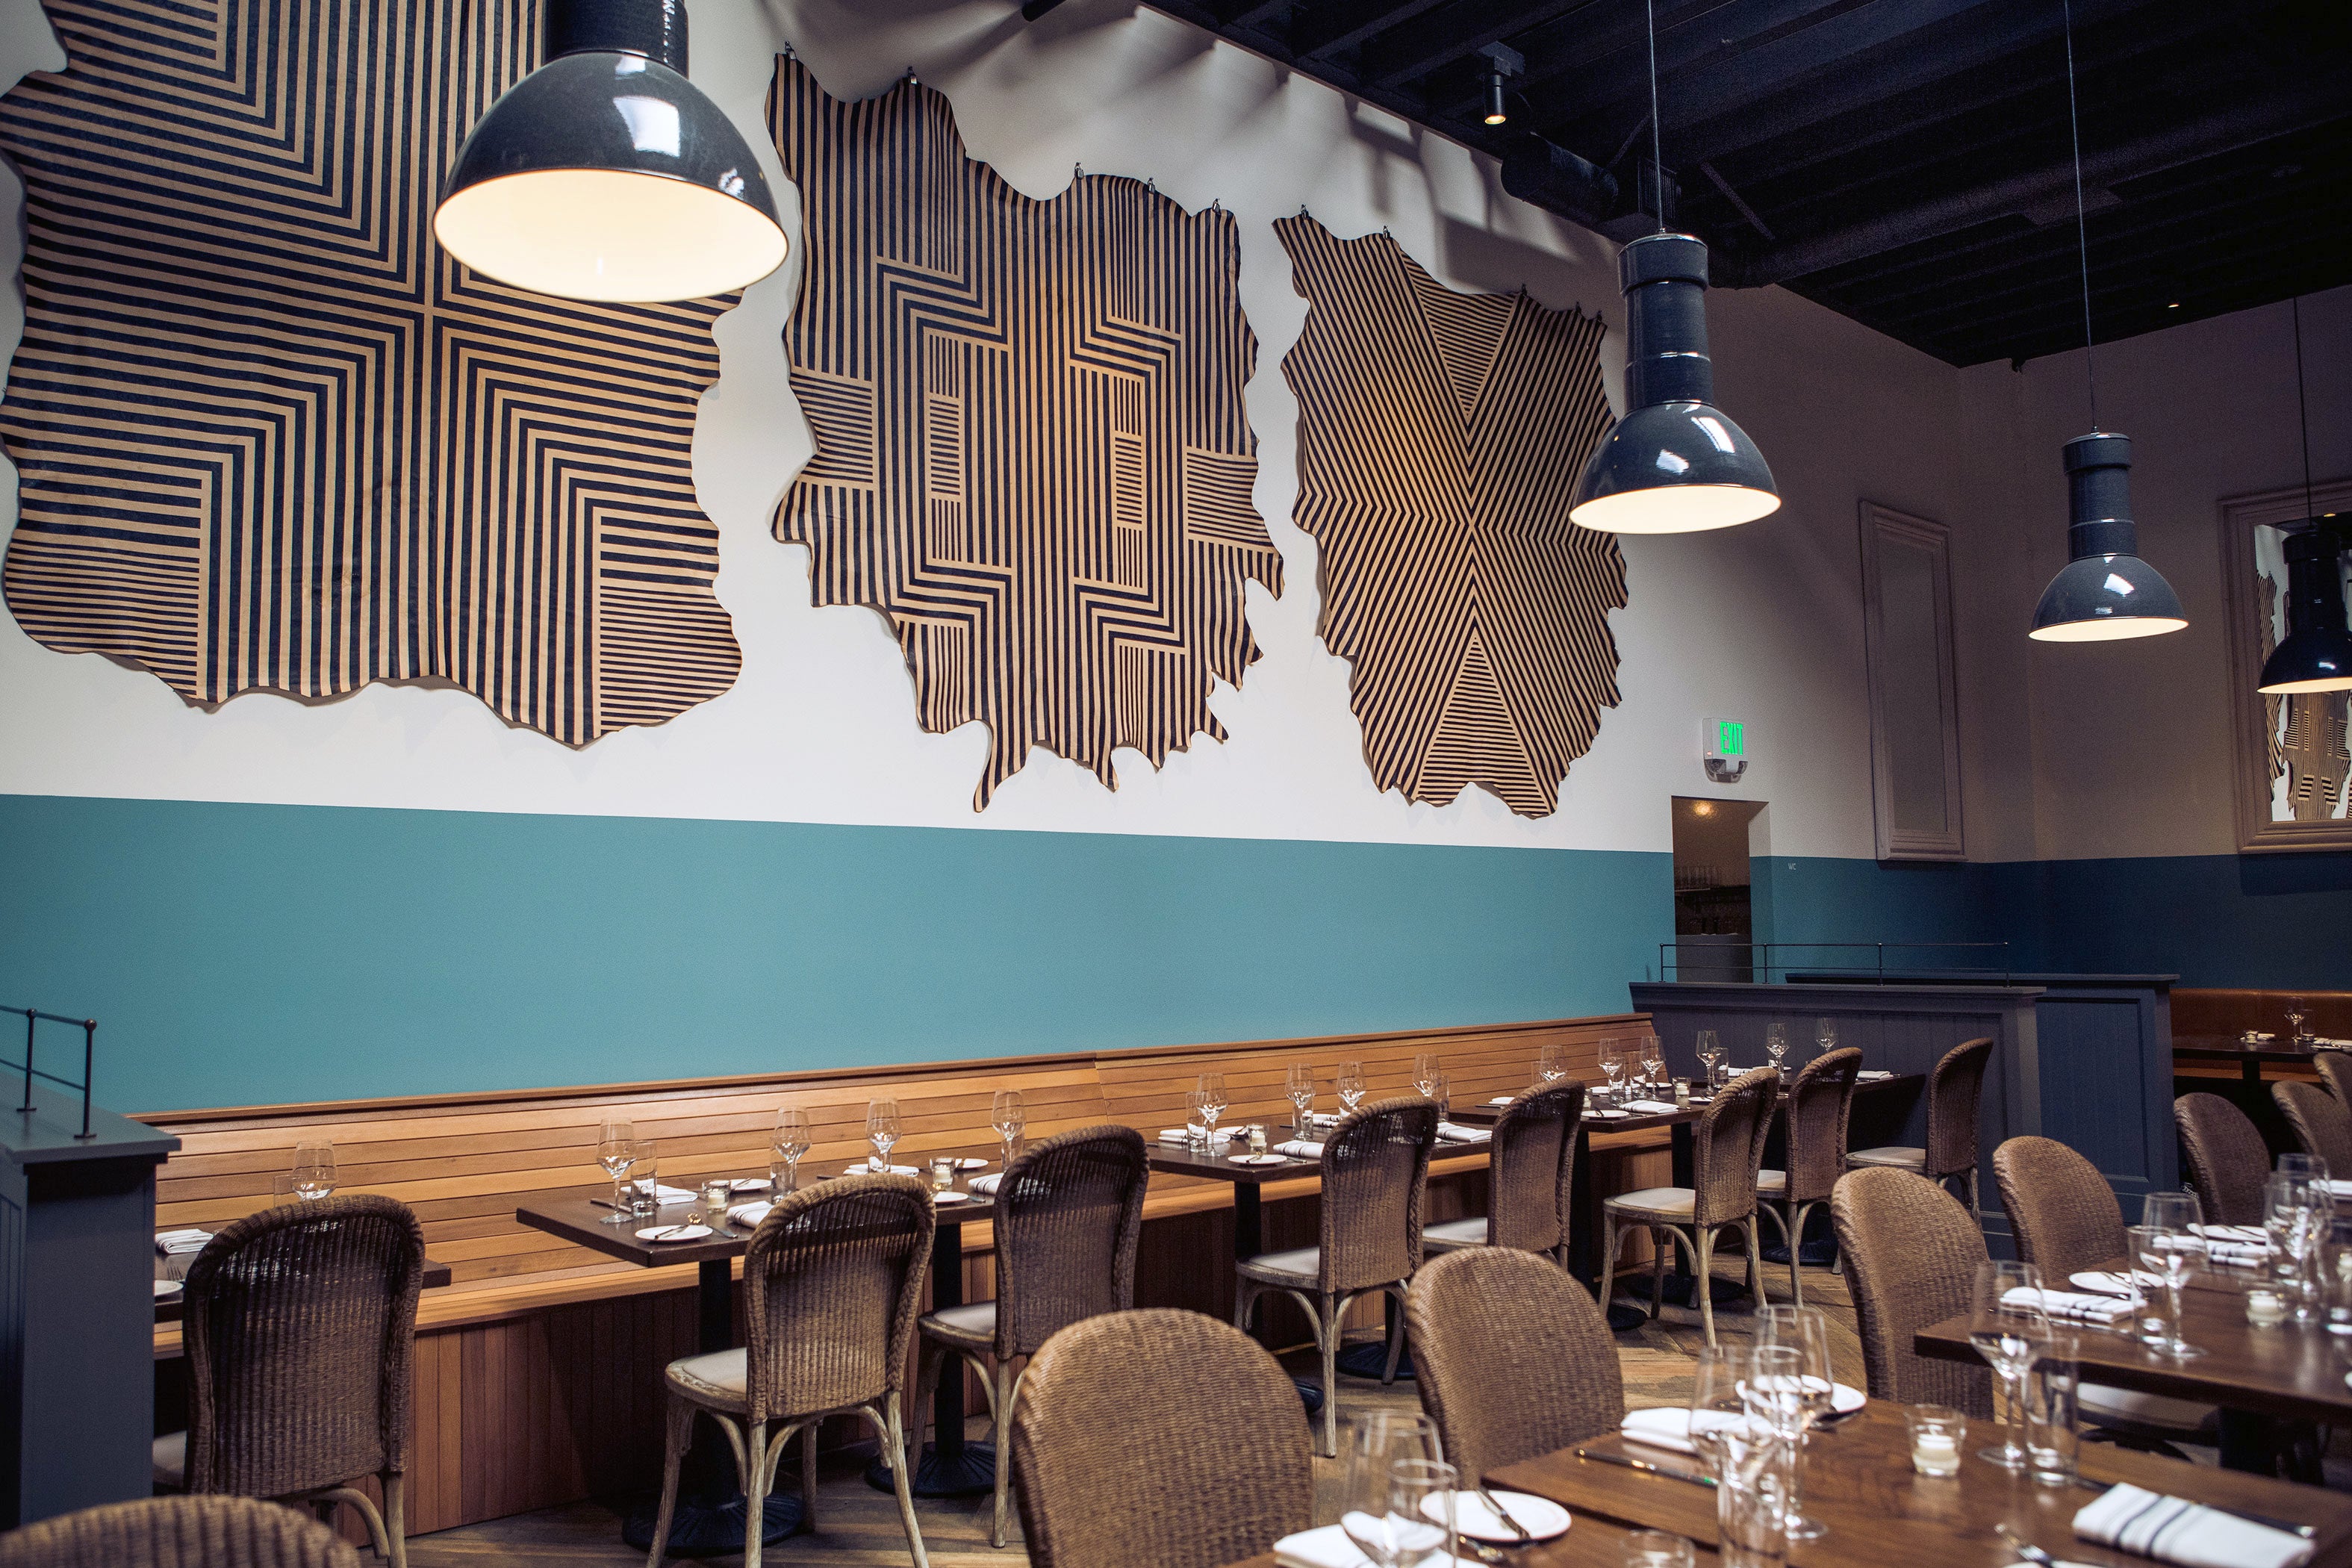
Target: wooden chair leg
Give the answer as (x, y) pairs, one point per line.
(1658, 1249)
(755, 1491)
(1002, 1383)
(1395, 1332)
(1704, 1250)
(1609, 1261)
(1794, 1228)
(808, 1475)
(894, 1438)
(1326, 1339)
(677, 1427)
(395, 1516)
(1756, 1264)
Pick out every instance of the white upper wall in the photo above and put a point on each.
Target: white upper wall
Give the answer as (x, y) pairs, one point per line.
(1761, 622)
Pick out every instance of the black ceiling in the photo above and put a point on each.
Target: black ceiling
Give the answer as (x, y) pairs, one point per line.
(1905, 162)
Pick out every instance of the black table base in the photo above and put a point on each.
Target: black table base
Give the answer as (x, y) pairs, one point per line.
(1372, 1359)
(968, 1471)
(712, 1529)
(950, 1466)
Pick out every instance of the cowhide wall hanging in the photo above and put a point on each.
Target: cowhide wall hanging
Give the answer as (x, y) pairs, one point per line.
(1439, 438)
(1031, 452)
(270, 435)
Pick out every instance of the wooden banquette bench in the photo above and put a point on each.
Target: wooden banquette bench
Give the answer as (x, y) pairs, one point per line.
(538, 1368)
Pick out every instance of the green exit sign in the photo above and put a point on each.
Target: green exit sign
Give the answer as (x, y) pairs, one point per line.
(1726, 738)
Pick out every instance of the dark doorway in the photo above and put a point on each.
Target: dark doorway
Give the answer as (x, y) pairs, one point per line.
(1714, 913)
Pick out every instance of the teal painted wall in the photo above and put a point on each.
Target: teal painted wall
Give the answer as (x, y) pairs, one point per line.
(240, 954)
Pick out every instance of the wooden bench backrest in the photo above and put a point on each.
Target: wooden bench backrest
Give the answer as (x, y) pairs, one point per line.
(463, 1162)
(2229, 1013)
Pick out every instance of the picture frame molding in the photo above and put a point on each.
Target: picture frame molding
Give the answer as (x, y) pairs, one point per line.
(2240, 515)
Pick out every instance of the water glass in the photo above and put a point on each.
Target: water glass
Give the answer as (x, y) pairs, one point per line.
(1009, 1114)
(314, 1170)
(616, 1151)
(2008, 1329)
(1400, 1513)
(882, 1128)
(645, 1179)
(1351, 1085)
(1656, 1549)
(1805, 1332)
(2053, 1413)
(1299, 1084)
(1750, 1495)
(2172, 1255)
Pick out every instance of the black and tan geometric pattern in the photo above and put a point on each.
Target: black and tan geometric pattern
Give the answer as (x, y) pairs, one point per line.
(2312, 747)
(1440, 439)
(271, 436)
(1031, 452)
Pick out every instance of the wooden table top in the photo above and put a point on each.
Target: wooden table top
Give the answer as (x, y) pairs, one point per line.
(575, 1217)
(2284, 1371)
(1859, 1482)
(1487, 1115)
(1589, 1544)
(2228, 1048)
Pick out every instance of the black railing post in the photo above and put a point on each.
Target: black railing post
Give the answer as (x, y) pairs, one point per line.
(32, 1022)
(89, 1072)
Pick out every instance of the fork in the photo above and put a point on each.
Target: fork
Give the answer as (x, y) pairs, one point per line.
(2025, 1550)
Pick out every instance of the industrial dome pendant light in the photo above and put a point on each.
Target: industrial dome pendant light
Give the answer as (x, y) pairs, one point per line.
(1675, 463)
(605, 175)
(2104, 592)
(2317, 654)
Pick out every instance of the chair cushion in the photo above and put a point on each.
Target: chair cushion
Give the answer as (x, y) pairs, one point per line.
(1907, 1159)
(1666, 1203)
(170, 1459)
(1299, 1266)
(2101, 1403)
(720, 1375)
(1454, 1234)
(973, 1324)
(1771, 1181)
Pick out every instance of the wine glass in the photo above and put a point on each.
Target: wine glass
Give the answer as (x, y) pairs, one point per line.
(1710, 1051)
(2172, 1255)
(2296, 1211)
(1425, 1075)
(1442, 1091)
(1552, 1065)
(2009, 1327)
(2297, 1010)
(1653, 1065)
(1716, 1400)
(1775, 1043)
(2311, 1167)
(1400, 1514)
(2172, 1211)
(314, 1170)
(616, 1151)
(1825, 1034)
(1806, 1332)
(1300, 1086)
(792, 1142)
(1351, 1085)
(1212, 1103)
(881, 1131)
(1612, 1066)
(1378, 1441)
(1008, 1113)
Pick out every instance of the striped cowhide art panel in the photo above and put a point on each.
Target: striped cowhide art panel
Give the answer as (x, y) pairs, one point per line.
(1440, 434)
(272, 437)
(1031, 455)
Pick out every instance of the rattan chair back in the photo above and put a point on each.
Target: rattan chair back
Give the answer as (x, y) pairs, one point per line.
(1375, 1172)
(1068, 1213)
(1910, 1253)
(1727, 1148)
(179, 1532)
(1954, 1091)
(2334, 1068)
(833, 1281)
(2228, 1160)
(2322, 1125)
(300, 1333)
(1820, 1104)
(1533, 1150)
(1512, 1357)
(2061, 1211)
(1157, 1439)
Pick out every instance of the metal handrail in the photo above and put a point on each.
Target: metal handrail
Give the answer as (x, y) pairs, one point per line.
(34, 1017)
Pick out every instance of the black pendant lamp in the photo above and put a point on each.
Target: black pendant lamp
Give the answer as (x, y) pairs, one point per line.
(2316, 655)
(2104, 592)
(605, 175)
(1675, 463)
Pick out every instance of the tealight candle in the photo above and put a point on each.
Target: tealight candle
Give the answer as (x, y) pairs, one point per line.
(1257, 1138)
(943, 1172)
(1682, 1091)
(1935, 1434)
(2265, 1308)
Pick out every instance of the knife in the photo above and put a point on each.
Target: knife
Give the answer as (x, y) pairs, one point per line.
(1503, 1514)
(1670, 1472)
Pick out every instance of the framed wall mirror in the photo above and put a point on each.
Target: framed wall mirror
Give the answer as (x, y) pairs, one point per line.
(2291, 756)
(1915, 726)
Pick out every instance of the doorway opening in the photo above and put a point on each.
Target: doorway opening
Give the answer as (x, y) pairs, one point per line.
(1715, 908)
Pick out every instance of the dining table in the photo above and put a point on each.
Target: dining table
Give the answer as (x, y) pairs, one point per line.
(1877, 1510)
(709, 1514)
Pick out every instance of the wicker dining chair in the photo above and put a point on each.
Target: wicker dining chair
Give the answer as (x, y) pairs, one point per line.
(1726, 1150)
(1069, 1210)
(2322, 1124)
(1820, 1103)
(2065, 1219)
(1910, 1254)
(1157, 1439)
(1954, 1089)
(207, 1531)
(833, 1281)
(1375, 1172)
(1533, 1153)
(1511, 1356)
(2335, 1069)
(300, 1327)
(2228, 1160)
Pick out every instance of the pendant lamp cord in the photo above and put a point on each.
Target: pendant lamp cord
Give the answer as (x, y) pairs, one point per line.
(1657, 158)
(2302, 408)
(2082, 224)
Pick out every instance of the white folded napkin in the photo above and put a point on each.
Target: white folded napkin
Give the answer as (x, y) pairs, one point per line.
(2173, 1530)
(671, 1195)
(1502, 1099)
(1331, 1548)
(2100, 1282)
(1652, 1107)
(1873, 1072)
(2339, 1189)
(749, 1213)
(2236, 1245)
(1300, 1149)
(170, 1242)
(1453, 1133)
(2075, 1307)
(1665, 1427)
(985, 1186)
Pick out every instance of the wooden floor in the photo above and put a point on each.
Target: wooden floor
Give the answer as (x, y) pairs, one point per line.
(860, 1525)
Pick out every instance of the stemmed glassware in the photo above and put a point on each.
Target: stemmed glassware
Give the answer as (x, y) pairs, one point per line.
(314, 1170)
(1440, 1090)
(881, 1131)
(2296, 1212)
(1552, 1063)
(1425, 1075)
(1825, 1034)
(1612, 1068)
(1743, 1452)
(1351, 1085)
(1710, 1051)
(616, 1151)
(1300, 1087)
(2297, 1010)
(1398, 1492)
(1776, 1045)
(1653, 1065)
(1806, 1332)
(2172, 1256)
(1212, 1103)
(2311, 1167)
(2009, 1327)
(792, 1141)
(1008, 1113)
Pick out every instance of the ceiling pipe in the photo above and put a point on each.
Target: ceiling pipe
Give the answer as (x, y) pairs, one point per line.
(2211, 137)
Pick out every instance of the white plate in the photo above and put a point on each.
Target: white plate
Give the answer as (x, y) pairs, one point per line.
(1845, 1399)
(1611, 1115)
(1542, 1518)
(749, 1185)
(970, 1162)
(1261, 1159)
(674, 1233)
(166, 1288)
(950, 1197)
(1501, 1099)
